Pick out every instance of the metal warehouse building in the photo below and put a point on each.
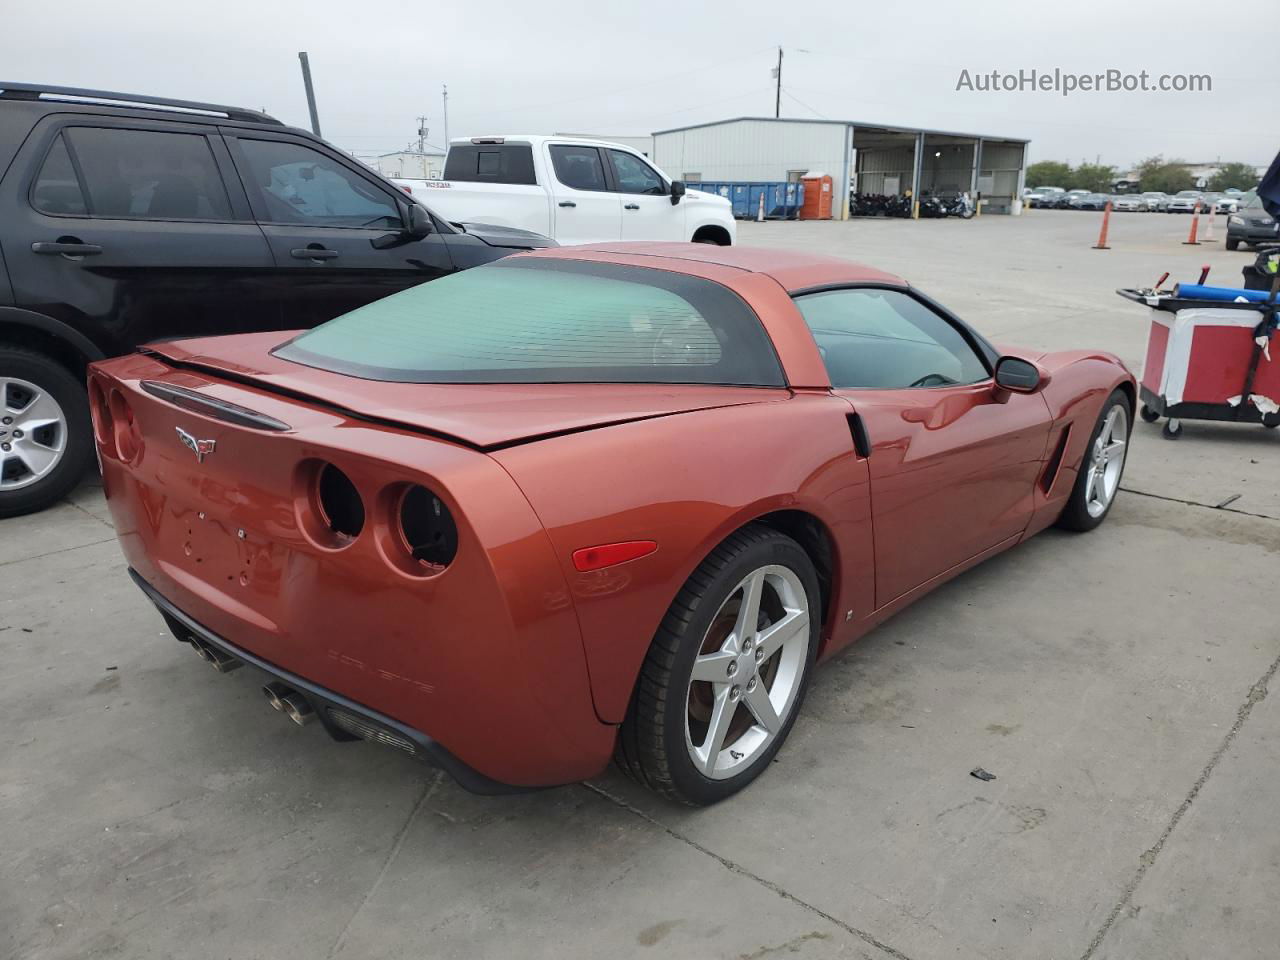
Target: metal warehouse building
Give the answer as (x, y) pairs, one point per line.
(860, 157)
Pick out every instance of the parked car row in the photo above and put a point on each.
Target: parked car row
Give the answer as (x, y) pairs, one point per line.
(126, 219)
(1055, 198)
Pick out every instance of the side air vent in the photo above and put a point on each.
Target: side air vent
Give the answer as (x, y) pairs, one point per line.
(1054, 465)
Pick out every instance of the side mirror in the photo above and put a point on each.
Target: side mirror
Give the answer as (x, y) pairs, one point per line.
(1018, 375)
(678, 190)
(418, 223)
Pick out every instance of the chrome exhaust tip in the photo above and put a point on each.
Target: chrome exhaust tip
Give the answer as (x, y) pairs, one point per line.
(275, 694)
(299, 711)
(220, 660)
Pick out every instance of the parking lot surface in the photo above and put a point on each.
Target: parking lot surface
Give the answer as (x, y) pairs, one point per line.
(1116, 683)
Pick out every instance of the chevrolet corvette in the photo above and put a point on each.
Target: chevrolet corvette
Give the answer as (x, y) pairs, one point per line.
(593, 502)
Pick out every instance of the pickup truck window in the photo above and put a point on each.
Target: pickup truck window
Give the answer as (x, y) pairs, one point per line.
(300, 185)
(634, 175)
(578, 167)
(544, 320)
(510, 163)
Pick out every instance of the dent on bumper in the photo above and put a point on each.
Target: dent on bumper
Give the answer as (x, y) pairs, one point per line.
(323, 700)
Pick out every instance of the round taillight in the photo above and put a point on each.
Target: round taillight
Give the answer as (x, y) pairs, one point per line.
(418, 535)
(327, 505)
(341, 508)
(100, 413)
(124, 430)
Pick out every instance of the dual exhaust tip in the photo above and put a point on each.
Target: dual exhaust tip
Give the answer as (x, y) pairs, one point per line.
(289, 702)
(281, 697)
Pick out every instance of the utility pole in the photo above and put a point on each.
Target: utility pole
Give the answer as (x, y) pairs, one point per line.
(445, 98)
(311, 93)
(777, 98)
(422, 134)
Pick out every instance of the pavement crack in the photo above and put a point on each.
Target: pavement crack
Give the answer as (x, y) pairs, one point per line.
(341, 939)
(91, 516)
(1257, 693)
(1220, 508)
(742, 871)
(40, 556)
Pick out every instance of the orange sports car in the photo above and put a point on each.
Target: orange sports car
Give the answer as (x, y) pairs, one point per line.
(597, 501)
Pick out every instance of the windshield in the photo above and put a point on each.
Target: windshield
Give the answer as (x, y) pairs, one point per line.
(535, 320)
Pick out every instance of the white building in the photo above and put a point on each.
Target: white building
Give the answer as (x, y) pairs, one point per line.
(860, 157)
(411, 165)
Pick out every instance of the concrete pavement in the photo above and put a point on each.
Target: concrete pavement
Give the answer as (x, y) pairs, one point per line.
(1116, 683)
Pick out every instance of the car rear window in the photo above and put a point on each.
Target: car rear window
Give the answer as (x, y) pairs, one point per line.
(534, 320)
(491, 163)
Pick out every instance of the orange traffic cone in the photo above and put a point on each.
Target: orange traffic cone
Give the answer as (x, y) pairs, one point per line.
(1195, 225)
(1102, 234)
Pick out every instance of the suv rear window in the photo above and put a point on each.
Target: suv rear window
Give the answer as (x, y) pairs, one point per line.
(533, 320)
(491, 163)
(149, 174)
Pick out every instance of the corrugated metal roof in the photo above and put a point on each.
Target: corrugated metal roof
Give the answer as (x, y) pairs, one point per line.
(849, 123)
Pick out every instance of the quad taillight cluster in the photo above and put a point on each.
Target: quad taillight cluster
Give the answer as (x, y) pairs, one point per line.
(412, 527)
(113, 423)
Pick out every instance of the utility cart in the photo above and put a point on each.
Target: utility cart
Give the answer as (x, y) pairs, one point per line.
(1209, 357)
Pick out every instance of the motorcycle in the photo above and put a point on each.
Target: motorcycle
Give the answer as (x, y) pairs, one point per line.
(960, 206)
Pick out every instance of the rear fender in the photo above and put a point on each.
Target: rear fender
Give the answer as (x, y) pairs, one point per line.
(687, 481)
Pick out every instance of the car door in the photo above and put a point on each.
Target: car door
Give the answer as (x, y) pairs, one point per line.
(330, 227)
(132, 230)
(953, 463)
(586, 210)
(647, 211)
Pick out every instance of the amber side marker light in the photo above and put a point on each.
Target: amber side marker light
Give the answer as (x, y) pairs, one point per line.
(609, 554)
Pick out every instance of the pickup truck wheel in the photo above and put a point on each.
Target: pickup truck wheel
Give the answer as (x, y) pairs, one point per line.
(718, 236)
(46, 441)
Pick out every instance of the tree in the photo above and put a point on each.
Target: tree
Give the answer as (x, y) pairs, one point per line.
(1165, 176)
(1094, 177)
(1242, 176)
(1048, 173)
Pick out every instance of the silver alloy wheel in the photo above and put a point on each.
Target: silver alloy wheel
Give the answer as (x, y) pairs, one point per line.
(33, 433)
(1106, 461)
(747, 674)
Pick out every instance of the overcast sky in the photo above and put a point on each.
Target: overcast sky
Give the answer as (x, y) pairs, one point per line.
(549, 66)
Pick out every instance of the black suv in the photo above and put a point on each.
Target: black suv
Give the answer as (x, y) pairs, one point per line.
(126, 218)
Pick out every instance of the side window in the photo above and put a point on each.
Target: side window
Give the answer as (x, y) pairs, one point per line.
(149, 174)
(634, 175)
(885, 339)
(303, 186)
(510, 163)
(57, 189)
(578, 167)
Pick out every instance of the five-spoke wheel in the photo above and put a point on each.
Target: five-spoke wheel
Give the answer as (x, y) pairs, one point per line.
(1101, 468)
(726, 673)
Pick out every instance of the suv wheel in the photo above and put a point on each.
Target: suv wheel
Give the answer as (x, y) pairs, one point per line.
(45, 436)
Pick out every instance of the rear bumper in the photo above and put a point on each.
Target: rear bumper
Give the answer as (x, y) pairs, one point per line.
(329, 705)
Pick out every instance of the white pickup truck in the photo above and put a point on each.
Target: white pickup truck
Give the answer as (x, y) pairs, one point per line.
(573, 190)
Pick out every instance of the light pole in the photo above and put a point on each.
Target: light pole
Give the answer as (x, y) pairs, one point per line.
(311, 93)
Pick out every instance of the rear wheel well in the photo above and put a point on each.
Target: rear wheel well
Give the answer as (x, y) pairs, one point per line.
(814, 538)
(47, 344)
(712, 234)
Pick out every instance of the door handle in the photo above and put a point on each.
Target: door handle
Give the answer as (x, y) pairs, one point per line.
(632, 206)
(313, 253)
(67, 248)
(567, 203)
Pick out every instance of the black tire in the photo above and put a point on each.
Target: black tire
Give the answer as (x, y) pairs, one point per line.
(1075, 515)
(1233, 244)
(1172, 429)
(652, 746)
(69, 392)
(1148, 415)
